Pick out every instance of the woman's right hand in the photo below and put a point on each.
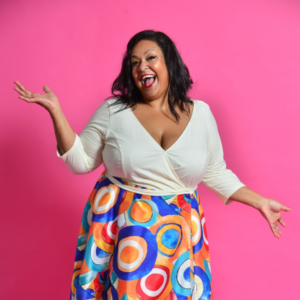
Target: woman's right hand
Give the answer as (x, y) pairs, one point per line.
(48, 100)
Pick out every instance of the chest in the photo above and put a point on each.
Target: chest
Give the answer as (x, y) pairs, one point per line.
(141, 148)
(162, 126)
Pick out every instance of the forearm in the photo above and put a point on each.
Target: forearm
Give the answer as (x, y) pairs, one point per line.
(247, 196)
(65, 135)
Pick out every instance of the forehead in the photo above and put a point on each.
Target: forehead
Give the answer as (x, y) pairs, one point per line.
(143, 47)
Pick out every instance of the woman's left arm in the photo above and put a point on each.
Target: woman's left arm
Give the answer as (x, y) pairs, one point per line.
(269, 208)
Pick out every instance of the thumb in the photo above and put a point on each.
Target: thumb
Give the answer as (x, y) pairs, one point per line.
(46, 89)
(285, 208)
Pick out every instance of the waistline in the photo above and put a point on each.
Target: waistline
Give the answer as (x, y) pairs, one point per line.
(127, 185)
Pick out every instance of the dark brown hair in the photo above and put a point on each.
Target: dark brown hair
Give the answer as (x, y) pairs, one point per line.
(127, 93)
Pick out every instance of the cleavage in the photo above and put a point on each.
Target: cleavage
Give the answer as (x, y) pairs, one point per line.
(162, 127)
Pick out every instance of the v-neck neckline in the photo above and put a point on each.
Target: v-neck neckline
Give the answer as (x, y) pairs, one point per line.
(180, 137)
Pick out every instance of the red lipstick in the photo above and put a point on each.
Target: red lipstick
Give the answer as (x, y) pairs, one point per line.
(148, 81)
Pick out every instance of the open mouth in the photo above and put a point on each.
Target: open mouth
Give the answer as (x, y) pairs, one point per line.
(148, 81)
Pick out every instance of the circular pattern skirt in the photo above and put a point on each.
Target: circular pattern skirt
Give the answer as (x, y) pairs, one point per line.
(134, 246)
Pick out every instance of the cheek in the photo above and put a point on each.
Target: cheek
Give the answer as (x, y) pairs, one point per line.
(165, 78)
(163, 72)
(135, 78)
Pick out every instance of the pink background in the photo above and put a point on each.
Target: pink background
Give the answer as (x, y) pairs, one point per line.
(244, 59)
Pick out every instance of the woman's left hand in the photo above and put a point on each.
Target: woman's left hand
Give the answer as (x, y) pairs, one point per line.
(270, 210)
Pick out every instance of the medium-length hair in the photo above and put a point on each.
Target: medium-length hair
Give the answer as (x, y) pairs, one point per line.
(125, 89)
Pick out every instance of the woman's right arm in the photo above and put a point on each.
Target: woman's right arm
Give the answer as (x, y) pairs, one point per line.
(65, 136)
(81, 154)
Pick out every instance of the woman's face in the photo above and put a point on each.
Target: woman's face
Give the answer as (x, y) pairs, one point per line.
(149, 70)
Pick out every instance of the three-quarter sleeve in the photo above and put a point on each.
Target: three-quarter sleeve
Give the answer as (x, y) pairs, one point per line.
(222, 181)
(85, 155)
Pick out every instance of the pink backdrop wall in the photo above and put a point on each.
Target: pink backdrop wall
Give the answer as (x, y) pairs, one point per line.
(244, 59)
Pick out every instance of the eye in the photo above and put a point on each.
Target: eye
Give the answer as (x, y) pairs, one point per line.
(134, 63)
(151, 57)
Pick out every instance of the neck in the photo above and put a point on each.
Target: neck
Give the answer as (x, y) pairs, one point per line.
(159, 104)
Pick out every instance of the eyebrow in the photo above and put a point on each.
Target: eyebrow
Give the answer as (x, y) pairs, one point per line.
(144, 53)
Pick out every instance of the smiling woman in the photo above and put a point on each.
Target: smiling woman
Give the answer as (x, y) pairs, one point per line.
(143, 232)
(149, 70)
(153, 55)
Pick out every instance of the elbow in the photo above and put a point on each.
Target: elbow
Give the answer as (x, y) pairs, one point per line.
(79, 171)
(84, 168)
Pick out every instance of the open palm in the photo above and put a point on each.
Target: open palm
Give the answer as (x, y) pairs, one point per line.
(48, 100)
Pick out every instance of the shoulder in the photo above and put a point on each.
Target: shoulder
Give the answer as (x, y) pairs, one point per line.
(102, 108)
(200, 103)
(107, 107)
(201, 106)
(110, 101)
(204, 113)
(114, 105)
(102, 112)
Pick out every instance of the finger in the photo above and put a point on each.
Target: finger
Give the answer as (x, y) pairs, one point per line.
(277, 234)
(46, 89)
(31, 100)
(285, 208)
(281, 222)
(17, 82)
(21, 87)
(23, 93)
(19, 91)
(276, 230)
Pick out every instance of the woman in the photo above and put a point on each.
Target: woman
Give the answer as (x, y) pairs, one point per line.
(142, 234)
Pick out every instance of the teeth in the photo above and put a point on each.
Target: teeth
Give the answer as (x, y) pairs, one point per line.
(148, 76)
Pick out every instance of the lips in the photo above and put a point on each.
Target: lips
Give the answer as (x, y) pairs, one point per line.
(148, 80)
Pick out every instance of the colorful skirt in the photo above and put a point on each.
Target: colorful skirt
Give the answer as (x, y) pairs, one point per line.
(135, 246)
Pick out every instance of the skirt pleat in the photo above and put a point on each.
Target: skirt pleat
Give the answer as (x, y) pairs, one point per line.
(135, 246)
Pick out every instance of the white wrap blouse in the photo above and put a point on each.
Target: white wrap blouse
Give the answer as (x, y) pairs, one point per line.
(127, 150)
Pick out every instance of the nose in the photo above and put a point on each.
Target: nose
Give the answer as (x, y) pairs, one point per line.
(143, 65)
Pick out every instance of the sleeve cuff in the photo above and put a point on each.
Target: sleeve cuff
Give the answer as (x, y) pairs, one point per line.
(66, 154)
(224, 197)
